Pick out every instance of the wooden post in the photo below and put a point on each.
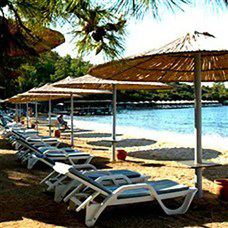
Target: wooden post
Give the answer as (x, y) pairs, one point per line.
(72, 119)
(36, 114)
(113, 157)
(49, 113)
(27, 115)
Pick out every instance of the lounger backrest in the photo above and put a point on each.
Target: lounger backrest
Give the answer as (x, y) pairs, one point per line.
(36, 151)
(90, 182)
(17, 134)
(45, 159)
(29, 146)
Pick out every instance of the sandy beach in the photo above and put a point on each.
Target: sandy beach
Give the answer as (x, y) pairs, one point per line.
(24, 204)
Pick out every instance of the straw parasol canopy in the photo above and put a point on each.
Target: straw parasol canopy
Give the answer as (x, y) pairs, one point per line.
(21, 41)
(172, 62)
(49, 88)
(28, 97)
(90, 82)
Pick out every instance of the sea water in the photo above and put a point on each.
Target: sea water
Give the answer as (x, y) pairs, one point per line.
(168, 124)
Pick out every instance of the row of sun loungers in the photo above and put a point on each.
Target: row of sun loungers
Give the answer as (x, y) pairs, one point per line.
(78, 183)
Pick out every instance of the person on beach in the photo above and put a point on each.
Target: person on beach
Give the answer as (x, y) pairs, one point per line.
(30, 114)
(62, 121)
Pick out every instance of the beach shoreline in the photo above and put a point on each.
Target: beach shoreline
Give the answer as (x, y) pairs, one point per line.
(208, 141)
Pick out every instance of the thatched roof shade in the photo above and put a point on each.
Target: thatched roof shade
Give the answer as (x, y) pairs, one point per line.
(172, 62)
(19, 43)
(28, 97)
(90, 82)
(49, 88)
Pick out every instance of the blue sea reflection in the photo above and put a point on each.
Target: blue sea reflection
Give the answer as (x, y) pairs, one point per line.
(214, 120)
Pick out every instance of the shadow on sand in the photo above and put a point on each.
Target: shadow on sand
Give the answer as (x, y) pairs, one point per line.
(173, 154)
(124, 143)
(219, 172)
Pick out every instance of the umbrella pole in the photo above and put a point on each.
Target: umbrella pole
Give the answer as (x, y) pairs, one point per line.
(27, 117)
(36, 111)
(49, 119)
(72, 119)
(113, 157)
(16, 112)
(198, 124)
(19, 106)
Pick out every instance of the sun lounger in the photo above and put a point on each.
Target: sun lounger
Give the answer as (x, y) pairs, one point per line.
(28, 153)
(59, 181)
(33, 138)
(83, 198)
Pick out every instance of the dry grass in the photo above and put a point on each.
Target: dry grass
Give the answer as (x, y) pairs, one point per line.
(23, 202)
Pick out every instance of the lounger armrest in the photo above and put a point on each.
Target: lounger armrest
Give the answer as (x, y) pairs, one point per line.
(132, 186)
(56, 151)
(114, 178)
(85, 167)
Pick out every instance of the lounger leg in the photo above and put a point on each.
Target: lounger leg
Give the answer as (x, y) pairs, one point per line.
(91, 211)
(58, 190)
(183, 208)
(73, 202)
(62, 190)
(31, 162)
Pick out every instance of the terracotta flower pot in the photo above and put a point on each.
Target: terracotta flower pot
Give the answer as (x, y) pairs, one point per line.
(221, 189)
(121, 154)
(57, 133)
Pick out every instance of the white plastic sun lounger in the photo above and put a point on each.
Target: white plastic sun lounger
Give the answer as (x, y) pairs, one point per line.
(59, 181)
(29, 154)
(30, 135)
(83, 198)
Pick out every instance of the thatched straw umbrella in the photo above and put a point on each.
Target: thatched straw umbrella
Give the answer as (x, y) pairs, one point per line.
(192, 58)
(28, 97)
(90, 82)
(21, 41)
(48, 88)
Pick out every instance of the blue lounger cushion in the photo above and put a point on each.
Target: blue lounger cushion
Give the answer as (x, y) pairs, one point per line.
(161, 187)
(38, 155)
(57, 152)
(125, 172)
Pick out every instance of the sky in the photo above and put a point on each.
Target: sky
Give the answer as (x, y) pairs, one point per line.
(149, 33)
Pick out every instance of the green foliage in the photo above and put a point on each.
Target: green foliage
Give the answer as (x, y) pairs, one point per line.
(179, 92)
(35, 72)
(68, 66)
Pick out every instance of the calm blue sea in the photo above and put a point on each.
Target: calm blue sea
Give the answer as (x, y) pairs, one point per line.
(178, 121)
